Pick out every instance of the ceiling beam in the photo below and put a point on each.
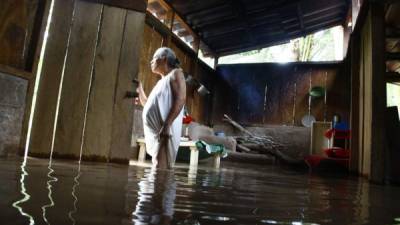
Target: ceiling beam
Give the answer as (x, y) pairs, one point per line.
(227, 34)
(210, 10)
(222, 33)
(306, 23)
(136, 5)
(329, 14)
(203, 10)
(325, 9)
(239, 9)
(300, 16)
(203, 23)
(392, 77)
(393, 56)
(276, 7)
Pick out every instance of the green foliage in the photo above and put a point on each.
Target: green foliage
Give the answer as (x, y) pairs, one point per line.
(315, 47)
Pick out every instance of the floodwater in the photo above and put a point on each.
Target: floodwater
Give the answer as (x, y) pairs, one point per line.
(64, 192)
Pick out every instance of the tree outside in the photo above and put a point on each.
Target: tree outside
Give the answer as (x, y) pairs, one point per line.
(325, 45)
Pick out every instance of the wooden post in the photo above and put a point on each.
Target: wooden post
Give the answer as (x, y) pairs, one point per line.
(378, 131)
(142, 152)
(355, 103)
(170, 26)
(216, 62)
(77, 78)
(194, 156)
(217, 161)
(123, 113)
(50, 77)
(31, 85)
(98, 130)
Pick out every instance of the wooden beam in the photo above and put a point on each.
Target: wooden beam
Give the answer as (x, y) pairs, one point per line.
(378, 131)
(300, 16)
(218, 22)
(222, 34)
(340, 5)
(355, 44)
(206, 11)
(311, 7)
(37, 16)
(136, 5)
(275, 7)
(184, 22)
(170, 27)
(392, 77)
(16, 72)
(393, 55)
(320, 26)
(34, 60)
(393, 32)
(325, 16)
(235, 24)
(164, 31)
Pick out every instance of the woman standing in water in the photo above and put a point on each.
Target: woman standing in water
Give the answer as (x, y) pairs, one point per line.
(163, 109)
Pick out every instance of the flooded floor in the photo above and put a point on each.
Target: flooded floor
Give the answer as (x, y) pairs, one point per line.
(90, 193)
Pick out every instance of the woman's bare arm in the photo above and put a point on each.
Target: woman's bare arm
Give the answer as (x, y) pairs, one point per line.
(142, 95)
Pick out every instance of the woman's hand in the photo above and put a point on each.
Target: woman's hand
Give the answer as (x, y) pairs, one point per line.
(142, 96)
(165, 131)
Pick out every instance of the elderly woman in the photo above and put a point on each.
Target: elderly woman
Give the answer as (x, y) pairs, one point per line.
(163, 109)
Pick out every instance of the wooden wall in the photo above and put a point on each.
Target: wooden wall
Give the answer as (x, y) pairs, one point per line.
(270, 93)
(369, 94)
(19, 27)
(91, 56)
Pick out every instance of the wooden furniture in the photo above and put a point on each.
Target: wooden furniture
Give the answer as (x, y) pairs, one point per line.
(318, 139)
(194, 153)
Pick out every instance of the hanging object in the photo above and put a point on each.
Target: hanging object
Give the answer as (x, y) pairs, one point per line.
(317, 91)
(203, 91)
(294, 104)
(265, 102)
(309, 119)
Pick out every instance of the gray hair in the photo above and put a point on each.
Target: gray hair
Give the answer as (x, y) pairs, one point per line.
(172, 60)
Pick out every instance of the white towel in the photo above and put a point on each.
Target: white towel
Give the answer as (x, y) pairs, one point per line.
(155, 112)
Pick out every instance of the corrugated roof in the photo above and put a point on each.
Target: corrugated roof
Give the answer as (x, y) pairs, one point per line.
(230, 26)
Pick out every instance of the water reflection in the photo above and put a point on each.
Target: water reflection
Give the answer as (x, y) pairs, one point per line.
(156, 197)
(64, 193)
(49, 186)
(192, 175)
(23, 191)
(73, 193)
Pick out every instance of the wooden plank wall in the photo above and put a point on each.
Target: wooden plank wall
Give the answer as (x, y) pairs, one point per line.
(42, 130)
(78, 66)
(97, 140)
(17, 31)
(152, 40)
(243, 88)
(90, 60)
(369, 94)
(123, 113)
(372, 96)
